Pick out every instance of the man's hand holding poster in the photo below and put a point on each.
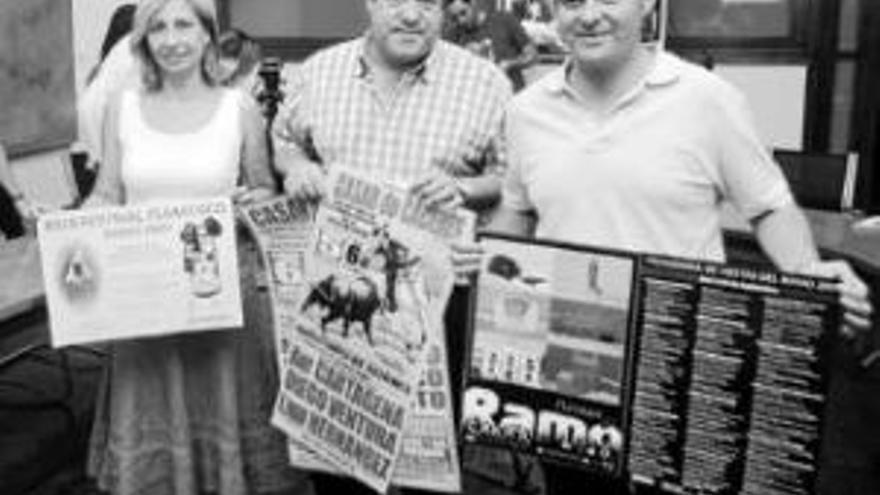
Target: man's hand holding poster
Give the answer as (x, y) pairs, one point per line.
(107, 270)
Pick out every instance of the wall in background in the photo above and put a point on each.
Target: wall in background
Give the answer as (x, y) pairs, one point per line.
(777, 94)
(299, 18)
(44, 175)
(37, 90)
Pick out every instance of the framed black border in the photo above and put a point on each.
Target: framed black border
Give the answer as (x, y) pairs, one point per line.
(643, 265)
(631, 344)
(52, 94)
(795, 47)
(287, 48)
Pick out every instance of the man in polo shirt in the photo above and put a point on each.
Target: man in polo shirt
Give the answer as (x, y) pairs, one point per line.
(402, 105)
(626, 146)
(630, 147)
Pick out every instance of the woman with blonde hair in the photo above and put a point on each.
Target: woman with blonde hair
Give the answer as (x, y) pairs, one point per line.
(188, 414)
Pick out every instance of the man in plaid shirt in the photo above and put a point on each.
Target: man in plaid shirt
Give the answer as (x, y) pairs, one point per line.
(402, 105)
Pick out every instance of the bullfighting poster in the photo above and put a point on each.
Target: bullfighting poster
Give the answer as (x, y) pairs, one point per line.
(428, 458)
(376, 286)
(106, 271)
(282, 228)
(550, 354)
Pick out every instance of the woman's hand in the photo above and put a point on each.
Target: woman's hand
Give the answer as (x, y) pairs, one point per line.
(30, 212)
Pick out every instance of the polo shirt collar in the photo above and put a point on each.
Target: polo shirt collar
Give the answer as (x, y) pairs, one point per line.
(666, 70)
(424, 72)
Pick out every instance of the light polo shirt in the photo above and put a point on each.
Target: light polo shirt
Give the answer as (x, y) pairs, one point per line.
(649, 175)
(446, 114)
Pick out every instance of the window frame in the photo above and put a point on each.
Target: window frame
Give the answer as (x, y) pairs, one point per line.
(796, 46)
(288, 48)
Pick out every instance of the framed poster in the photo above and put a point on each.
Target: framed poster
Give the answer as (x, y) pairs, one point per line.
(684, 375)
(366, 334)
(551, 352)
(37, 90)
(140, 271)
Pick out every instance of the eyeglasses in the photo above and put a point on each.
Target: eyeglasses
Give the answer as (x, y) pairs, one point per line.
(423, 5)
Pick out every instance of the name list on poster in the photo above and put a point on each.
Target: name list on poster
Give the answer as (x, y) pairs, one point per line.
(730, 390)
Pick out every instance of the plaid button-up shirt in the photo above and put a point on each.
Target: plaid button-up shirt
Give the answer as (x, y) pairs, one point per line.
(446, 114)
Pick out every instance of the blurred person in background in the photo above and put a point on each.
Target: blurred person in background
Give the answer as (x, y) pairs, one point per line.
(116, 69)
(497, 36)
(238, 61)
(118, 28)
(536, 18)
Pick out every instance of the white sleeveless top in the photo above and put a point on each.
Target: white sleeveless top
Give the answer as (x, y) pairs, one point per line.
(158, 165)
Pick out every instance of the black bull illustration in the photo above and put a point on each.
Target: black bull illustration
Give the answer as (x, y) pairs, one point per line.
(353, 299)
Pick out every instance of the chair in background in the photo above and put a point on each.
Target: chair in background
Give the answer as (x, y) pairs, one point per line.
(822, 181)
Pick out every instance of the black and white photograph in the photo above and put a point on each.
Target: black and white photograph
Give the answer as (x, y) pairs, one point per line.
(553, 319)
(550, 352)
(622, 247)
